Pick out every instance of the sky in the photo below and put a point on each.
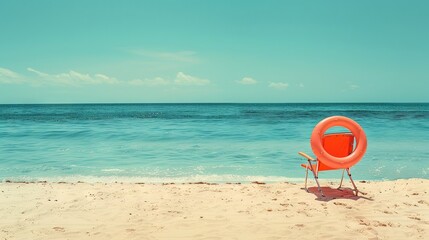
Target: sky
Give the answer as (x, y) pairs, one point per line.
(223, 51)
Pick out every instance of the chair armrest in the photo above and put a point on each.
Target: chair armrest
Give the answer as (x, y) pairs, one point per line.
(306, 156)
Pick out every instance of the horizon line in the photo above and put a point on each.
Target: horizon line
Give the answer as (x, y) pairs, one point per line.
(202, 103)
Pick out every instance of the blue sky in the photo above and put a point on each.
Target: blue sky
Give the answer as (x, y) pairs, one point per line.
(213, 51)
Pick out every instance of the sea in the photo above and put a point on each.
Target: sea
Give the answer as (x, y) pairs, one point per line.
(163, 143)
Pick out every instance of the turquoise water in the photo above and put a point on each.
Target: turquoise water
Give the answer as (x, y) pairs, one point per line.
(200, 142)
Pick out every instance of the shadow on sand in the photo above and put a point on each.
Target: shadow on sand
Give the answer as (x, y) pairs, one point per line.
(335, 193)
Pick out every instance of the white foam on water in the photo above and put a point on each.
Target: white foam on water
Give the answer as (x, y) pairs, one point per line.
(112, 170)
(139, 179)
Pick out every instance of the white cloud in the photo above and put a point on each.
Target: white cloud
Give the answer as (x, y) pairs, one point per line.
(73, 78)
(180, 56)
(40, 74)
(9, 76)
(4, 72)
(105, 79)
(183, 79)
(247, 81)
(353, 87)
(350, 86)
(158, 81)
(278, 85)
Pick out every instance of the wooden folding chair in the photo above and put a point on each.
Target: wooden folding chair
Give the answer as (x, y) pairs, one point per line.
(337, 145)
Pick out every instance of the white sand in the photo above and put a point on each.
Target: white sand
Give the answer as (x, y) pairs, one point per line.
(389, 210)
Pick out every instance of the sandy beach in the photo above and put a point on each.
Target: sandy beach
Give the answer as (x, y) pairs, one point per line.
(385, 210)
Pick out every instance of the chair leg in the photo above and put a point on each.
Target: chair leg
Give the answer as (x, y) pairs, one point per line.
(342, 177)
(317, 181)
(306, 177)
(353, 183)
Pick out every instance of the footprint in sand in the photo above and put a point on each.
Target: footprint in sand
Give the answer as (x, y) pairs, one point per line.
(59, 229)
(286, 204)
(343, 204)
(364, 222)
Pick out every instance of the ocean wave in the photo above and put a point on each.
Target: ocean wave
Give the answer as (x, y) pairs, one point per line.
(257, 112)
(137, 179)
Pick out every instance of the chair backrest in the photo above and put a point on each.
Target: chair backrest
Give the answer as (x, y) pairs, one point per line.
(338, 145)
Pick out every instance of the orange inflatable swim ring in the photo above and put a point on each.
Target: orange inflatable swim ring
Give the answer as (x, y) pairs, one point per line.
(325, 157)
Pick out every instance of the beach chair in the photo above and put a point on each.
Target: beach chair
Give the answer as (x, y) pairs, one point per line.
(336, 144)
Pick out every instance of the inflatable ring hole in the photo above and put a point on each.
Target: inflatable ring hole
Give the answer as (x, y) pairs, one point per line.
(337, 129)
(340, 130)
